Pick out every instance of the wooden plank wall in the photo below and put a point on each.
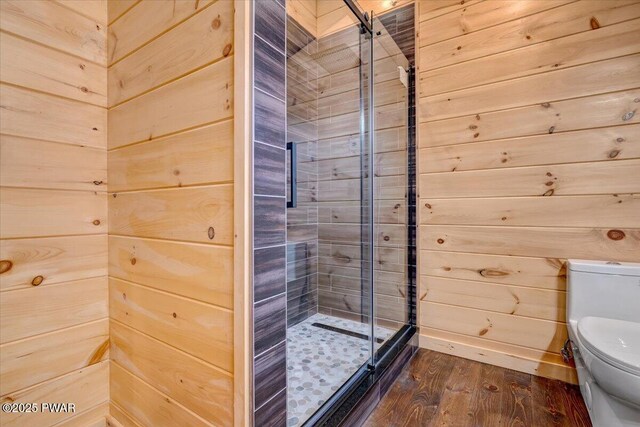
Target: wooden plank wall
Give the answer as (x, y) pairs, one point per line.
(53, 215)
(529, 138)
(170, 163)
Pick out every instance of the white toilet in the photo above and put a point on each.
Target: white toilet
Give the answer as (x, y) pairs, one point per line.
(603, 312)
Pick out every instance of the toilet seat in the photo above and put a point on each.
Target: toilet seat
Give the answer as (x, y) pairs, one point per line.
(616, 342)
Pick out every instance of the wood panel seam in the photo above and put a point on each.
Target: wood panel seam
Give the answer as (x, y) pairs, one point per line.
(172, 80)
(185, 353)
(51, 47)
(165, 31)
(173, 294)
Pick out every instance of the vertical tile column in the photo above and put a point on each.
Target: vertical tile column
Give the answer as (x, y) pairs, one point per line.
(269, 214)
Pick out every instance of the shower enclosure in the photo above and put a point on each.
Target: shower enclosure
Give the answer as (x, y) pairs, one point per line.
(350, 210)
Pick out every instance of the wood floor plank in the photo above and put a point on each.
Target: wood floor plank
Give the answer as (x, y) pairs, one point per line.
(516, 400)
(486, 405)
(457, 394)
(573, 402)
(548, 410)
(423, 381)
(444, 390)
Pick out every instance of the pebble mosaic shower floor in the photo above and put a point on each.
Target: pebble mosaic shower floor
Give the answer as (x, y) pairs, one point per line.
(319, 361)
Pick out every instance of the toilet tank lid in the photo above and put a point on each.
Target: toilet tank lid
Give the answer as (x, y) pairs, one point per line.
(605, 267)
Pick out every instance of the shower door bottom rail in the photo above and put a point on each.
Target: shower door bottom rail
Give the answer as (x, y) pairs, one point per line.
(342, 403)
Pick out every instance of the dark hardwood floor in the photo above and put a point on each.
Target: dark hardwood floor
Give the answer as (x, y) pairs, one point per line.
(441, 390)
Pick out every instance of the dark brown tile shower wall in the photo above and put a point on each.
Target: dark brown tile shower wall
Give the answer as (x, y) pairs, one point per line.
(269, 214)
(302, 130)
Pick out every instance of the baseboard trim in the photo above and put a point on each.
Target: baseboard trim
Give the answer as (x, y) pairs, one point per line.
(453, 344)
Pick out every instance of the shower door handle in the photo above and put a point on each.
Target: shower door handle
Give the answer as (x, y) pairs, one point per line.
(291, 151)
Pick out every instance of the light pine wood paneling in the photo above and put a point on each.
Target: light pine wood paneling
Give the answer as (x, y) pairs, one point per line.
(171, 203)
(200, 329)
(38, 213)
(553, 242)
(53, 213)
(119, 418)
(42, 116)
(146, 403)
(549, 180)
(197, 385)
(588, 79)
(52, 260)
(523, 359)
(94, 9)
(474, 17)
(618, 142)
(52, 307)
(28, 64)
(198, 214)
(619, 210)
(204, 155)
(117, 8)
(582, 48)
(609, 109)
(538, 334)
(527, 158)
(176, 267)
(205, 38)
(513, 300)
(434, 8)
(94, 417)
(65, 351)
(527, 31)
(203, 97)
(543, 273)
(85, 387)
(34, 163)
(55, 26)
(126, 34)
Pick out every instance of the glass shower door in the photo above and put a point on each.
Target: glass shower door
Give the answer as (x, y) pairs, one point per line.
(329, 225)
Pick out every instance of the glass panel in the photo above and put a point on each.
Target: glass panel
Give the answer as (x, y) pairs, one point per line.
(391, 181)
(328, 230)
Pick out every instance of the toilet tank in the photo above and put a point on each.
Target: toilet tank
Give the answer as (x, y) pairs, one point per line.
(603, 289)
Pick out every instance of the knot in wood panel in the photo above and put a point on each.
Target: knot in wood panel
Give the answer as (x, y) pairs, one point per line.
(616, 235)
(5, 265)
(212, 233)
(628, 116)
(227, 50)
(37, 280)
(490, 272)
